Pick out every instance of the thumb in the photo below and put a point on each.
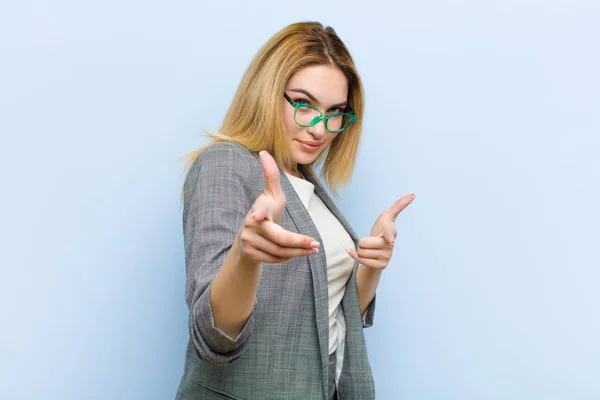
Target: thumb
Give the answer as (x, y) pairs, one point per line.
(389, 233)
(263, 208)
(271, 172)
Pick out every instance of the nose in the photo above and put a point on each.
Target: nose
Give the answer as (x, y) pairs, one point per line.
(317, 130)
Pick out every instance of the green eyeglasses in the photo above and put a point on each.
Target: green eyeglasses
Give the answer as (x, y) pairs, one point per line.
(306, 116)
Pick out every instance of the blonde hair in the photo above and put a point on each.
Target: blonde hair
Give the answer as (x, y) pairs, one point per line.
(255, 118)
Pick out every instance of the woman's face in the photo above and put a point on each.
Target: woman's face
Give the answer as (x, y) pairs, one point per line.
(324, 87)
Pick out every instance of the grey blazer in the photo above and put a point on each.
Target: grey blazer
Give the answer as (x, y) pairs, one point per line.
(282, 352)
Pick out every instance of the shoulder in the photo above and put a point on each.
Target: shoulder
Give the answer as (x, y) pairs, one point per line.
(225, 154)
(227, 158)
(225, 163)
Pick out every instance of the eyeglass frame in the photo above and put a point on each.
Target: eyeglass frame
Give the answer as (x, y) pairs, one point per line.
(348, 112)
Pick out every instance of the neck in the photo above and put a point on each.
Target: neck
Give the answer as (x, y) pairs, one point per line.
(296, 173)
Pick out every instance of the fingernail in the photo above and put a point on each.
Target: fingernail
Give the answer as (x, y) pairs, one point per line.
(315, 251)
(315, 244)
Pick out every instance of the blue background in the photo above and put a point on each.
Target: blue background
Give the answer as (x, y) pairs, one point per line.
(488, 111)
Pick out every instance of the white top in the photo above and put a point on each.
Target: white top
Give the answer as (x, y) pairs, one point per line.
(339, 264)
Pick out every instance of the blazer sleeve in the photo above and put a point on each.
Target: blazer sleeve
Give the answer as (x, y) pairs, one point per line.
(369, 314)
(217, 197)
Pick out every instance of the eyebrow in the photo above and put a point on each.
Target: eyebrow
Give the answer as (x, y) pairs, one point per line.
(313, 98)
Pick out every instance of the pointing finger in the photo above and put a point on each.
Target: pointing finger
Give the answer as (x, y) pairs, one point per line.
(271, 172)
(399, 205)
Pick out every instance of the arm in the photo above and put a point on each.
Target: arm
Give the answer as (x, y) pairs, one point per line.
(233, 291)
(229, 232)
(259, 240)
(373, 254)
(367, 280)
(217, 197)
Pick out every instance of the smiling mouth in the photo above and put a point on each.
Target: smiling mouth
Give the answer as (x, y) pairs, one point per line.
(310, 143)
(310, 148)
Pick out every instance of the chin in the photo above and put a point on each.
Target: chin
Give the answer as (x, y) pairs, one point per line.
(302, 158)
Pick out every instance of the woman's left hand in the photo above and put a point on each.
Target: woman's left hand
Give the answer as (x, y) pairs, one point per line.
(375, 251)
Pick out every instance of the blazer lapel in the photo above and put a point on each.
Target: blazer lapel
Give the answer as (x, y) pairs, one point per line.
(324, 196)
(318, 266)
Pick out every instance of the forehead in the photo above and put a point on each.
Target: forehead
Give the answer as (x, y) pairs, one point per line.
(327, 83)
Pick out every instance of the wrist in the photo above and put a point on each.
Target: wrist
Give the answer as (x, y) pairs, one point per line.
(370, 271)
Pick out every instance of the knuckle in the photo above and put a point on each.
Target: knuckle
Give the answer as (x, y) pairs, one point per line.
(245, 237)
(280, 252)
(250, 252)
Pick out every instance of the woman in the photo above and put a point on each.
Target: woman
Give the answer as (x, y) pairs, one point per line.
(277, 298)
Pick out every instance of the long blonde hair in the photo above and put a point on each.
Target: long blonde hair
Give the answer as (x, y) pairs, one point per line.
(255, 118)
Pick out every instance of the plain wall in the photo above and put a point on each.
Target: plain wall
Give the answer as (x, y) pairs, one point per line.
(488, 111)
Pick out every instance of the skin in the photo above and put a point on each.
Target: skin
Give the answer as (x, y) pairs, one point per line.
(262, 239)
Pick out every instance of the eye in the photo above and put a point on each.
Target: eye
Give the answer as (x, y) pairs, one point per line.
(303, 106)
(335, 110)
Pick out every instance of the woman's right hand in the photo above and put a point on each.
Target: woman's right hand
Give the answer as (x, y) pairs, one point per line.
(261, 238)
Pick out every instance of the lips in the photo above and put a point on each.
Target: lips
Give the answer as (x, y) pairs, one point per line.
(310, 143)
(311, 147)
